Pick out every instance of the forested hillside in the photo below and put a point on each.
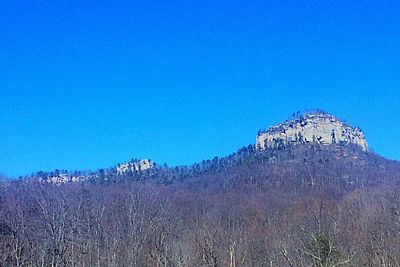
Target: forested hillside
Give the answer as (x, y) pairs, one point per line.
(304, 205)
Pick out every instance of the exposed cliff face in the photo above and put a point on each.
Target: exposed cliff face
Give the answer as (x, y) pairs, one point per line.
(316, 127)
(135, 165)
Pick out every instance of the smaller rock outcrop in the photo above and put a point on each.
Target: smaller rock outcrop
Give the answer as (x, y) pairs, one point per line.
(135, 165)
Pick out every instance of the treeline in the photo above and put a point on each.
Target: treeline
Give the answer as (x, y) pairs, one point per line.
(291, 166)
(160, 173)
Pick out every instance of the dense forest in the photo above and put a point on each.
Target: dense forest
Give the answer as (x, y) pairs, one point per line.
(305, 205)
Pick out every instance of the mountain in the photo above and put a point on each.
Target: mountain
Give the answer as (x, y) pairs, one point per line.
(313, 148)
(309, 193)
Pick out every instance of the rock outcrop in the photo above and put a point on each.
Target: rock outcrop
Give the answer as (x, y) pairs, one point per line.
(63, 177)
(135, 165)
(314, 127)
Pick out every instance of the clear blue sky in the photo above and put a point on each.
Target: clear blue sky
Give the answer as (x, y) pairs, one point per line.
(88, 84)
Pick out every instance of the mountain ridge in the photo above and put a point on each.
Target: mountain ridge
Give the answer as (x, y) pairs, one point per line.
(287, 138)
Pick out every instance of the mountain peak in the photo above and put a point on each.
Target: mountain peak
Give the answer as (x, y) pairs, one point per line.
(314, 126)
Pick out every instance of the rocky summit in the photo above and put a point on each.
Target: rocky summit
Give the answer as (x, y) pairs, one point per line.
(311, 127)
